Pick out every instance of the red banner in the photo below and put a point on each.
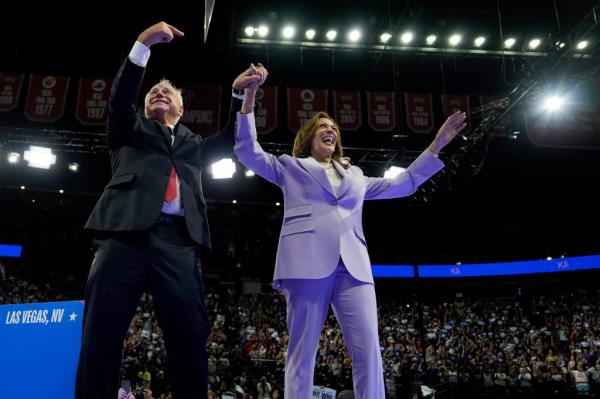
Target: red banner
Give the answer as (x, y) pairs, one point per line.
(577, 128)
(265, 112)
(46, 97)
(453, 103)
(304, 104)
(10, 88)
(202, 109)
(92, 101)
(347, 108)
(419, 112)
(502, 126)
(381, 106)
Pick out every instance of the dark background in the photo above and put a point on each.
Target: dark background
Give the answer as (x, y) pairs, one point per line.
(527, 202)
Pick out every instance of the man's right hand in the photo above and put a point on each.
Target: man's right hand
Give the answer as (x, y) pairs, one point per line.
(159, 33)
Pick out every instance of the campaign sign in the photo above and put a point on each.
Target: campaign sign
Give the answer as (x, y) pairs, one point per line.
(323, 393)
(39, 343)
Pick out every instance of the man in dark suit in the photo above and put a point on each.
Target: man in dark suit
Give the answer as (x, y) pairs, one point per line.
(149, 226)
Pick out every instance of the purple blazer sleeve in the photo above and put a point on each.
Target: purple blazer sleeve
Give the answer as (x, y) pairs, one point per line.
(251, 154)
(406, 182)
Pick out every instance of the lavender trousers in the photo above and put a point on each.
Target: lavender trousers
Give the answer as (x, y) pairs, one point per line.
(355, 308)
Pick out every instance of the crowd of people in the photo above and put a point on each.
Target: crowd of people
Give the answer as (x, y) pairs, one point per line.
(522, 346)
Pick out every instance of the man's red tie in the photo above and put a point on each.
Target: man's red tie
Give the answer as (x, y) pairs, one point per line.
(172, 187)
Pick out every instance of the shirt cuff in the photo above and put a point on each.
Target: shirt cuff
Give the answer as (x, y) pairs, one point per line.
(237, 95)
(431, 153)
(139, 54)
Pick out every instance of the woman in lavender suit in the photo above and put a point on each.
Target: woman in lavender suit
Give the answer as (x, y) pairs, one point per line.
(322, 257)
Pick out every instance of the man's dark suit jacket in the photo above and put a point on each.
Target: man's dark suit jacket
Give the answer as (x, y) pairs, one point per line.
(141, 159)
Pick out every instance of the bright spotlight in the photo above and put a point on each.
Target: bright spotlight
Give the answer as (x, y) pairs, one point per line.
(508, 43)
(234, 201)
(288, 32)
(74, 167)
(249, 173)
(479, 41)
(535, 43)
(224, 169)
(385, 37)
(22, 187)
(263, 30)
(249, 31)
(392, 172)
(39, 157)
(454, 40)
(310, 34)
(277, 203)
(13, 157)
(553, 103)
(331, 35)
(61, 191)
(406, 37)
(582, 44)
(354, 35)
(430, 40)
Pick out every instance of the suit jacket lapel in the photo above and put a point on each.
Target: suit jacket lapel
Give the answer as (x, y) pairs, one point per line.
(166, 132)
(180, 133)
(345, 178)
(312, 166)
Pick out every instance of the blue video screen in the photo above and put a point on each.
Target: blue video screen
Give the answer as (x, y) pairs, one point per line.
(393, 271)
(10, 251)
(489, 269)
(511, 268)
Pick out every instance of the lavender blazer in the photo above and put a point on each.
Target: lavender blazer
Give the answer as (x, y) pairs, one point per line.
(319, 225)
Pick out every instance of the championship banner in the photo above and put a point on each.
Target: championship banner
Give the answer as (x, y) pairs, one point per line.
(381, 107)
(419, 112)
(92, 101)
(265, 112)
(304, 104)
(202, 109)
(46, 97)
(453, 103)
(40, 345)
(502, 126)
(347, 109)
(577, 128)
(10, 89)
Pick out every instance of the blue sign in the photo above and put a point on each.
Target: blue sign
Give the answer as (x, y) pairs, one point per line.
(10, 251)
(39, 343)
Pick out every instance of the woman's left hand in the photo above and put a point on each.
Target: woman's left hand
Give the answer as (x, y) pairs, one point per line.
(451, 127)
